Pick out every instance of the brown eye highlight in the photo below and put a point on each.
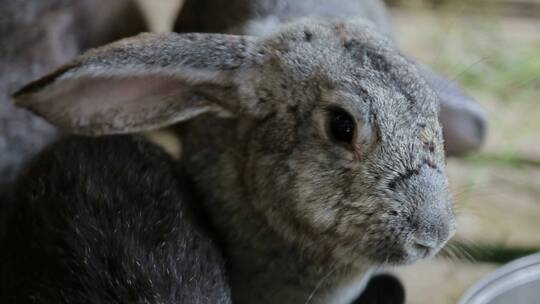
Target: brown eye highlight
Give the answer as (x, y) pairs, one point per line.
(341, 125)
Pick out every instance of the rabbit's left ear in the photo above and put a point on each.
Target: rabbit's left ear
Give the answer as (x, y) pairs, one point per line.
(146, 82)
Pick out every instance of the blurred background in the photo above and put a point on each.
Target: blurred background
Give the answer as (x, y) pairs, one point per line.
(492, 49)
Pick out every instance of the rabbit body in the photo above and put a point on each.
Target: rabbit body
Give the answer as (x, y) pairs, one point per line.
(108, 220)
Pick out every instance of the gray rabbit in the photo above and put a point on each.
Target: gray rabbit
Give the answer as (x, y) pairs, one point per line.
(316, 151)
(114, 220)
(35, 37)
(463, 120)
(108, 220)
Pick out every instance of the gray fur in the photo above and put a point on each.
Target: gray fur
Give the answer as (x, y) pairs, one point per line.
(463, 120)
(35, 37)
(108, 220)
(302, 218)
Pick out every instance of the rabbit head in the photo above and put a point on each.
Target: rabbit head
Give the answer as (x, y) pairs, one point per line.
(343, 154)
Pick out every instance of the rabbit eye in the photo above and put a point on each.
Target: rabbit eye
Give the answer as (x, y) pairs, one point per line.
(341, 125)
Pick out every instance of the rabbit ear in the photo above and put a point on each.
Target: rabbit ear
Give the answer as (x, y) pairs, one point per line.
(463, 120)
(145, 82)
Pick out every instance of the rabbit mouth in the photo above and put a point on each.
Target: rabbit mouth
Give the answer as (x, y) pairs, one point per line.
(407, 252)
(403, 255)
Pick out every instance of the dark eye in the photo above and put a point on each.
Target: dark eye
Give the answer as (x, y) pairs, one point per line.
(341, 125)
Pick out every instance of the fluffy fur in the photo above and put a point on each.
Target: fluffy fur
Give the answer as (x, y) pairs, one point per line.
(107, 220)
(312, 216)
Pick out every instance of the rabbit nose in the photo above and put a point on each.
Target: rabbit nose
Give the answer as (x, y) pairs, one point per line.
(432, 222)
(422, 247)
(430, 233)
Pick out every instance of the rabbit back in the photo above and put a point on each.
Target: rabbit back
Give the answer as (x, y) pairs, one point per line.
(107, 220)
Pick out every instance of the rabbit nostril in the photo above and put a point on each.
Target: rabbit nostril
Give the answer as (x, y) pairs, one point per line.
(423, 248)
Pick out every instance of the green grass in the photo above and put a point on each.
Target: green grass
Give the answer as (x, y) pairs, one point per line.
(510, 75)
(503, 159)
(500, 64)
(486, 253)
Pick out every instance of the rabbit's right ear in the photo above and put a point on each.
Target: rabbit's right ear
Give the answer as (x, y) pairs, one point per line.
(463, 120)
(146, 82)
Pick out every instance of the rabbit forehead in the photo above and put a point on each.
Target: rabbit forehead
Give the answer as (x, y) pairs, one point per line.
(350, 57)
(364, 72)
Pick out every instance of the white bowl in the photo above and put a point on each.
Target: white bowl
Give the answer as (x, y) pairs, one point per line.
(515, 283)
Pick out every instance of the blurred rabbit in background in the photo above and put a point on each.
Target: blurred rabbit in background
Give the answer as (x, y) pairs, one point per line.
(35, 38)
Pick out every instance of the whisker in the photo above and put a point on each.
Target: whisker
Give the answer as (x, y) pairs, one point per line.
(448, 252)
(466, 249)
(321, 281)
(464, 254)
(472, 65)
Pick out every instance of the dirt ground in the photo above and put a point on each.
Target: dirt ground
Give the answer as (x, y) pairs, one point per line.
(496, 191)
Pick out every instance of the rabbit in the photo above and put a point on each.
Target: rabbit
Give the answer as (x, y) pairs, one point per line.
(316, 152)
(463, 120)
(108, 220)
(35, 37)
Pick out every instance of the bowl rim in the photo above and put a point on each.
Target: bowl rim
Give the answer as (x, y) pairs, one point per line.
(505, 278)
